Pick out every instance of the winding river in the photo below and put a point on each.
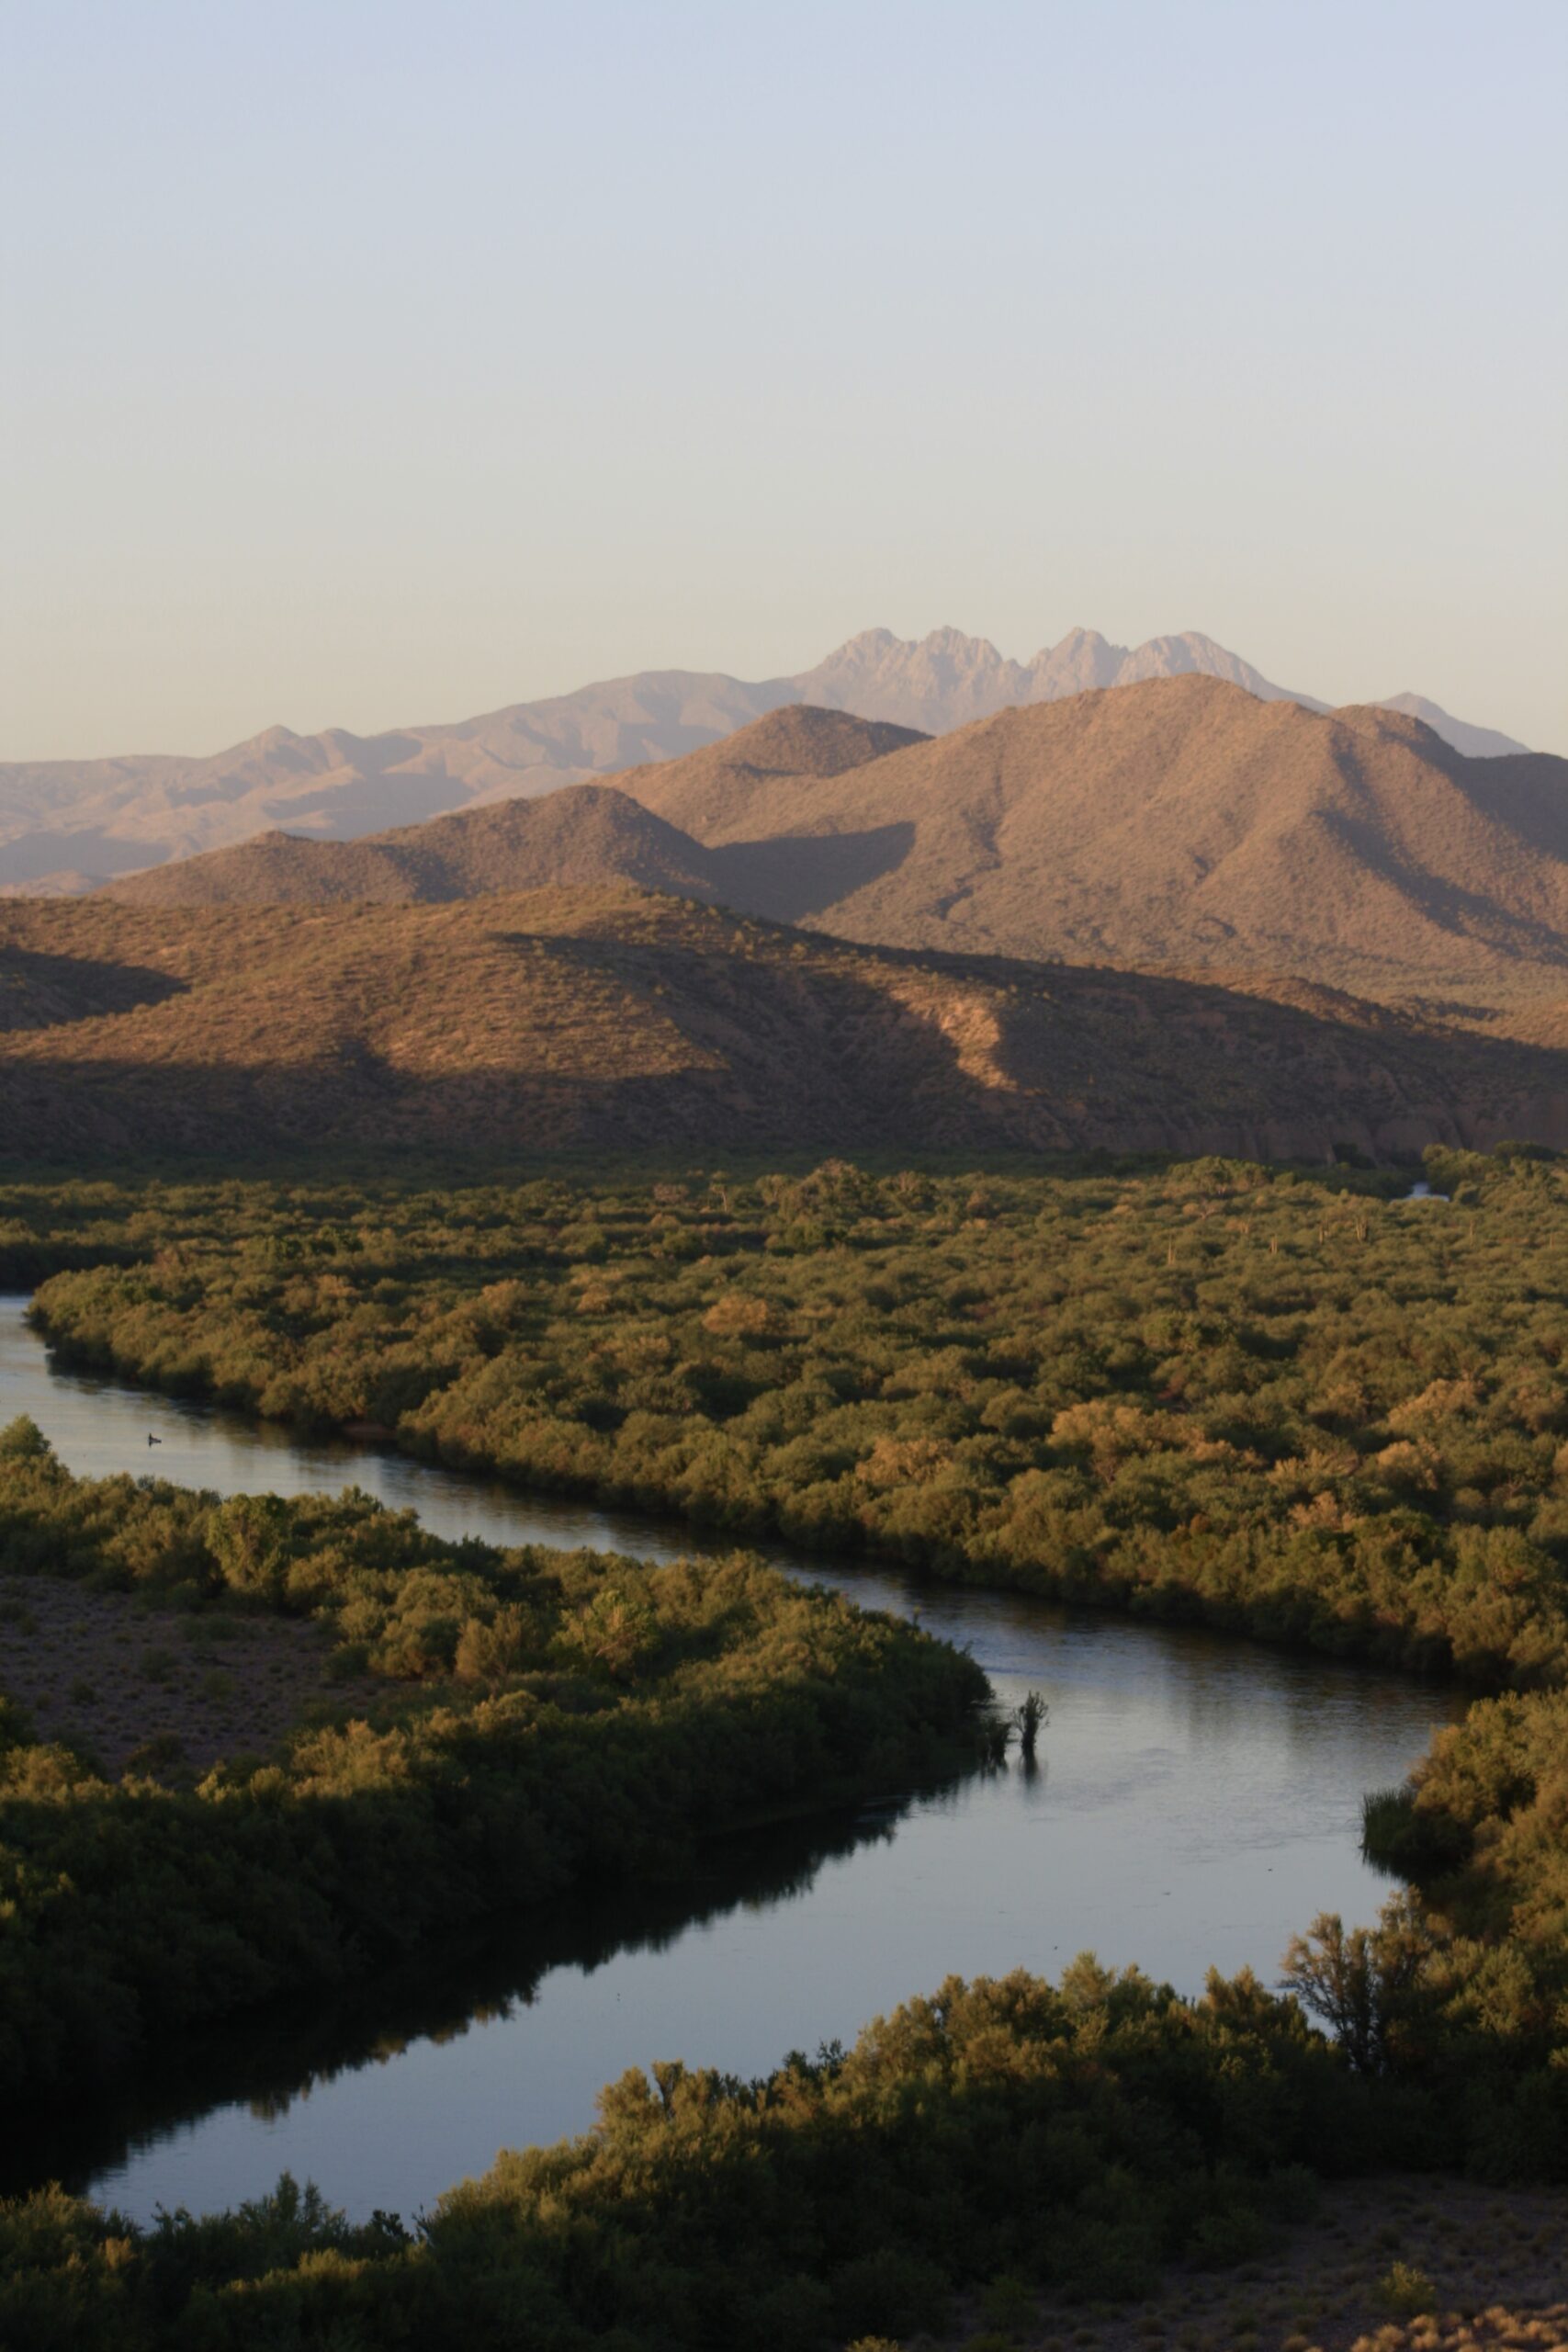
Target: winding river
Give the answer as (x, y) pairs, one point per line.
(1196, 1801)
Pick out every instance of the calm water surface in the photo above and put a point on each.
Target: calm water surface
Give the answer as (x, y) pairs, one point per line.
(1197, 1799)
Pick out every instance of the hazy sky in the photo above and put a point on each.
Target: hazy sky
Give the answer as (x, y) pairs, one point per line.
(385, 363)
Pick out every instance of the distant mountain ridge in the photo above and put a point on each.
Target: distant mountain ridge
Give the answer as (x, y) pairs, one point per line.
(1178, 823)
(946, 679)
(85, 821)
(1475, 742)
(65, 825)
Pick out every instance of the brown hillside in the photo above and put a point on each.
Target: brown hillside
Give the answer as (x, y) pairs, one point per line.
(612, 1019)
(708, 791)
(1174, 824)
(585, 834)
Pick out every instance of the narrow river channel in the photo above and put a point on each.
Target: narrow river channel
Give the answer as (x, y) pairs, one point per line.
(1196, 1801)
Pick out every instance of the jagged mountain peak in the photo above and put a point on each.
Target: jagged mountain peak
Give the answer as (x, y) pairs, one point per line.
(945, 679)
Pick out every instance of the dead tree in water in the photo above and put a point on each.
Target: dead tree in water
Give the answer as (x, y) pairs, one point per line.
(1029, 1718)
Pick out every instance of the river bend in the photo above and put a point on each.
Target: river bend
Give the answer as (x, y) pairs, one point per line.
(1198, 1800)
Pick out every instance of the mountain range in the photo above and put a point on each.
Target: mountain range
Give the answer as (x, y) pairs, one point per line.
(1178, 824)
(68, 825)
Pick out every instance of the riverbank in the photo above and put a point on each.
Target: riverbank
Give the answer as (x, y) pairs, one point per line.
(516, 1725)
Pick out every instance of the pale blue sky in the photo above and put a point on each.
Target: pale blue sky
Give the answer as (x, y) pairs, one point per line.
(380, 363)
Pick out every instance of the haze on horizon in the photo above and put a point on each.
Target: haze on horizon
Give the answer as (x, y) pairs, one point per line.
(371, 364)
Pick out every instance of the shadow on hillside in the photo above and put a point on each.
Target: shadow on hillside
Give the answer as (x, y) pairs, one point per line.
(285, 2050)
(794, 1043)
(1523, 791)
(791, 875)
(1462, 913)
(40, 991)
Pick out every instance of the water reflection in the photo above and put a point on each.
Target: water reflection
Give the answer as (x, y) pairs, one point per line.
(270, 2062)
(1197, 1801)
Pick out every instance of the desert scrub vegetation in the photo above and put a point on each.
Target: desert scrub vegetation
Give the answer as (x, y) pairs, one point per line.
(1094, 2164)
(619, 2239)
(1080, 2136)
(522, 1722)
(1285, 1403)
(1288, 1403)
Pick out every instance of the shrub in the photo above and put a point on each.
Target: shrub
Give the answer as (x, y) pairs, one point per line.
(1406, 2293)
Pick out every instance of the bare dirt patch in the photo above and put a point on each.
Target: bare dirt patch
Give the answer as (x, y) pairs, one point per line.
(159, 1688)
(1354, 2279)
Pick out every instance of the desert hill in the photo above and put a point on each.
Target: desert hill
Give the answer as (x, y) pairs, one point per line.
(67, 825)
(1179, 824)
(709, 792)
(585, 833)
(1175, 823)
(615, 1020)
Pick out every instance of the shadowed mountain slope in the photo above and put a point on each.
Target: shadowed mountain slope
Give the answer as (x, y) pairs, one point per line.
(612, 1020)
(1180, 822)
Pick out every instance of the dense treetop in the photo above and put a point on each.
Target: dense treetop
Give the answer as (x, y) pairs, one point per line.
(1293, 1403)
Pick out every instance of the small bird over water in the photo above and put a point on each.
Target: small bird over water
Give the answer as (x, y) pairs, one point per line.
(153, 1441)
